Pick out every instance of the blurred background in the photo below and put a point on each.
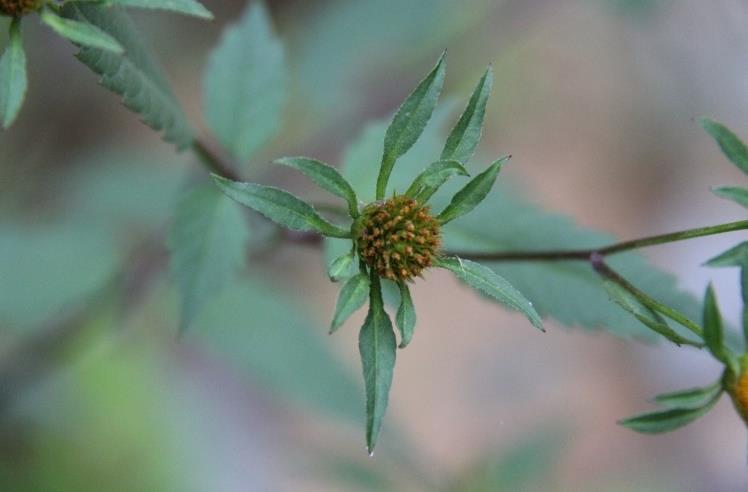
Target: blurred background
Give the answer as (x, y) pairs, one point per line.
(595, 100)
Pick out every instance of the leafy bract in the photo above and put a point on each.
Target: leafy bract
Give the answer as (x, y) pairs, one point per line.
(735, 193)
(13, 81)
(489, 283)
(409, 122)
(188, 7)
(244, 86)
(472, 193)
(428, 182)
(714, 333)
(81, 32)
(134, 74)
(327, 177)
(667, 420)
(733, 257)
(569, 292)
(690, 398)
(207, 242)
(733, 148)
(340, 267)
(406, 316)
(464, 138)
(279, 206)
(377, 346)
(352, 296)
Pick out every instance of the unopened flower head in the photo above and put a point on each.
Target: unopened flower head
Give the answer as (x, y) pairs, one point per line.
(17, 8)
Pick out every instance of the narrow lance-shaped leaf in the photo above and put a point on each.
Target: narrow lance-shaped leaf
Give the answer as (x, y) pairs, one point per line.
(13, 82)
(464, 138)
(188, 7)
(352, 296)
(81, 32)
(245, 83)
(406, 316)
(733, 148)
(473, 193)
(377, 346)
(340, 267)
(280, 206)
(667, 420)
(431, 178)
(134, 75)
(733, 257)
(326, 177)
(744, 294)
(734, 193)
(207, 242)
(690, 398)
(646, 316)
(714, 331)
(409, 121)
(488, 282)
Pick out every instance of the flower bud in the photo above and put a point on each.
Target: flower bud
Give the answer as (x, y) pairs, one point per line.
(17, 8)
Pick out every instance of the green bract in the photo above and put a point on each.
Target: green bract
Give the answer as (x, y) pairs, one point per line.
(393, 239)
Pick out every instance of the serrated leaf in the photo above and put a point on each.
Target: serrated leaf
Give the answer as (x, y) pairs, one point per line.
(406, 316)
(352, 296)
(188, 7)
(488, 282)
(244, 85)
(734, 193)
(428, 182)
(81, 33)
(280, 206)
(571, 292)
(733, 257)
(340, 267)
(667, 420)
(409, 122)
(646, 316)
(134, 75)
(472, 193)
(464, 138)
(733, 148)
(207, 241)
(326, 177)
(13, 81)
(714, 333)
(690, 398)
(377, 346)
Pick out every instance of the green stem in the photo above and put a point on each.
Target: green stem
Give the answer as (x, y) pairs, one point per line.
(584, 254)
(214, 163)
(598, 263)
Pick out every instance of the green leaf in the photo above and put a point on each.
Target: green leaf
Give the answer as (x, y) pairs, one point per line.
(714, 332)
(409, 122)
(279, 206)
(488, 282)
(690, 398)
(473, 193)
(326, 177)
(733, 148)
(406, 316)
(646, 316)
(13, 82)
(340, 267)
(188, 7)
(667, 420)
(734, 193)
(428, 182)
(744, 295)
(464, 138)
(81, 33)
(244, 85)
(733, 257)
(207, 242)
(570, 292)
(134, 75)
(377, 346)
(352, 296)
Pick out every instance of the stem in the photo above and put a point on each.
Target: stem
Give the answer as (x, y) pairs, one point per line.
(213, 162)
(598, 263)
(584, 254)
